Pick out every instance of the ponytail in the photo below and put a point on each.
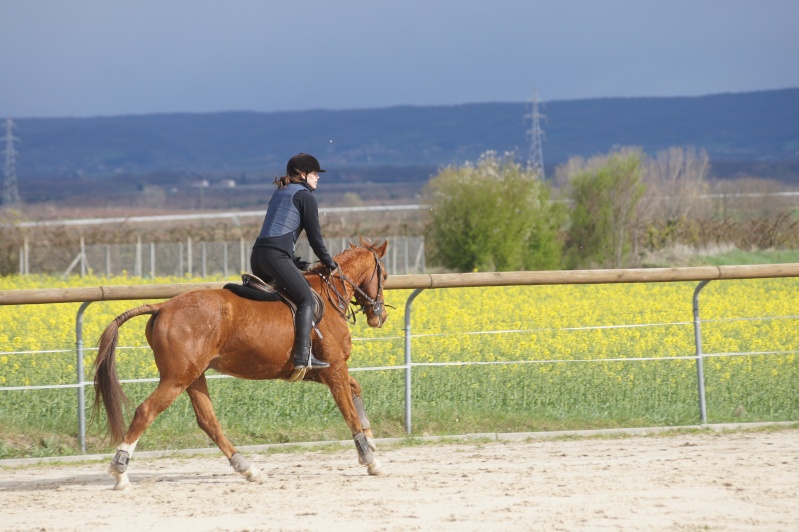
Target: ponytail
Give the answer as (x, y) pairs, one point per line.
(284, 181)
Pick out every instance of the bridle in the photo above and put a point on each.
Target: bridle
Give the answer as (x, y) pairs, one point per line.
(346, 308)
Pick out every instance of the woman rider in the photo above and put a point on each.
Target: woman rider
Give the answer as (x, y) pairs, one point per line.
(292, 209)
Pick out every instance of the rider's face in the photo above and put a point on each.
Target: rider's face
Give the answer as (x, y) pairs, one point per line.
(312, 179)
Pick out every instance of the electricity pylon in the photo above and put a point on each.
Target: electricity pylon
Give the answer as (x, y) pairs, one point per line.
(10, 192)
(536, 136)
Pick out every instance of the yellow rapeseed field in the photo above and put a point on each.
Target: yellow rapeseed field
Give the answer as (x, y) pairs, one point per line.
(566, 351)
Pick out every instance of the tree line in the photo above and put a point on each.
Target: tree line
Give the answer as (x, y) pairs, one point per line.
(620, 209)
(608, 211)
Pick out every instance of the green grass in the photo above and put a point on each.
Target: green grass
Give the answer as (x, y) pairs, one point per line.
(738, 256)
(446, 400)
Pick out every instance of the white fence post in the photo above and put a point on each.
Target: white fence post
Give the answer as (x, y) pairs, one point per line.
(224, 259)
(137, 264)
(202, 249)
(152, 260)
(188, 257)
(83, 263)
(244, 266)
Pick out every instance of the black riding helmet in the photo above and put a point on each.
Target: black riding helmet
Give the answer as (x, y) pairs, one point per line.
(302, 163)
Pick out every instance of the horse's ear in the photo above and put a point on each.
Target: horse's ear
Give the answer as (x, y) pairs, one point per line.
(365, 243)
(352, 246)
(381, 249)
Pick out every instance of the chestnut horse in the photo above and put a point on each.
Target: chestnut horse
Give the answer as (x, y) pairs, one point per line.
(216, 329)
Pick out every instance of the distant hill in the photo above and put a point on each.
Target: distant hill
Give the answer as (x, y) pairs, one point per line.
(756, 126)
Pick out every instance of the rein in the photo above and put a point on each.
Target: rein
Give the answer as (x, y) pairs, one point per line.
(346, 308)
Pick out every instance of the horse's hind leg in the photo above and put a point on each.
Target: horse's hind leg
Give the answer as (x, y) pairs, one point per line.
(163, 396)
(207, 420)
(359, 408)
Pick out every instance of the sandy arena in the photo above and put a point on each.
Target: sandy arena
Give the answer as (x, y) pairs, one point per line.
(698, 481)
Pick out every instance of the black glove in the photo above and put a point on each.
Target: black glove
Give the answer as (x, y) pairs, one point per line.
(302, 264)
(332, 266)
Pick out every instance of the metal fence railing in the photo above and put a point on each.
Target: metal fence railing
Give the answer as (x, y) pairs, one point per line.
(191, 257)
(420, 283)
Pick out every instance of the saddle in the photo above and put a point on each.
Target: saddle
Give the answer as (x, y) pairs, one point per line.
(252, 287)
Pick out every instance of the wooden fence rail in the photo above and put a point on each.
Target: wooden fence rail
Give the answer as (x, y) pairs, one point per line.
(425, 281)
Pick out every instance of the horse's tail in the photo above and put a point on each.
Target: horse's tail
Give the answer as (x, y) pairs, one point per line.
(106, 382)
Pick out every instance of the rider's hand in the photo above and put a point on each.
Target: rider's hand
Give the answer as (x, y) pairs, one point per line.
(302, 264)
(332, 266)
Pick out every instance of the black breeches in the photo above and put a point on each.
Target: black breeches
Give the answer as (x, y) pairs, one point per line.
(274, 265)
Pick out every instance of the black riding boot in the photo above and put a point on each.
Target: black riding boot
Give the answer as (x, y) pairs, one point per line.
(303, 357)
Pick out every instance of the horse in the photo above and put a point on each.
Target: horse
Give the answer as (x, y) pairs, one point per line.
(217, 329)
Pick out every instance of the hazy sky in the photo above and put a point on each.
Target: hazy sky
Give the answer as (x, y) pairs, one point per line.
(106, 57)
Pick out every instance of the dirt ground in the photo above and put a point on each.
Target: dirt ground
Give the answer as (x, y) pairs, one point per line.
(701, 481)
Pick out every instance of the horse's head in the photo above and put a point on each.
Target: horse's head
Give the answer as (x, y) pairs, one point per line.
(369, 281)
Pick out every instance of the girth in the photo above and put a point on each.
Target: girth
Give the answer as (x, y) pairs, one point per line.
(252, 287)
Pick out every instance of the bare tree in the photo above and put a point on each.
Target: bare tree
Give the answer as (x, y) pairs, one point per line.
(678, 180)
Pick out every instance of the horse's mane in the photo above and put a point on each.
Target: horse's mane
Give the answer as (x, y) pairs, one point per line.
(345, 257)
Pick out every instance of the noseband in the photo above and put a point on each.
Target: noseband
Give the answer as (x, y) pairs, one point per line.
(341, 303)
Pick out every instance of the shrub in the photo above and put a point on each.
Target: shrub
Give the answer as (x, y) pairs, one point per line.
(495, 215)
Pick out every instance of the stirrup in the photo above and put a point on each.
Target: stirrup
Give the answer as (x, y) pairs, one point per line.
(298, 374)
(313, 363)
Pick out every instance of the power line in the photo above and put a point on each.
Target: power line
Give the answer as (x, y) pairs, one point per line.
(10, 192)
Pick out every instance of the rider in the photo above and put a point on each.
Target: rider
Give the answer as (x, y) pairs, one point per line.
(292, 209)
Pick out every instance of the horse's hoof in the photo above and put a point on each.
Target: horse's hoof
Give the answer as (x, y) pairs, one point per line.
(122, 486)
(375, 468)
(122, 480)
(255, 475)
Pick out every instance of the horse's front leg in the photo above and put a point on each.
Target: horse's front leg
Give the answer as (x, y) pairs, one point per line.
(338, 380)
(359, 408)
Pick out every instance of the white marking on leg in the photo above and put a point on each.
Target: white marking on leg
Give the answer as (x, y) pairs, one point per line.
(128, 447)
